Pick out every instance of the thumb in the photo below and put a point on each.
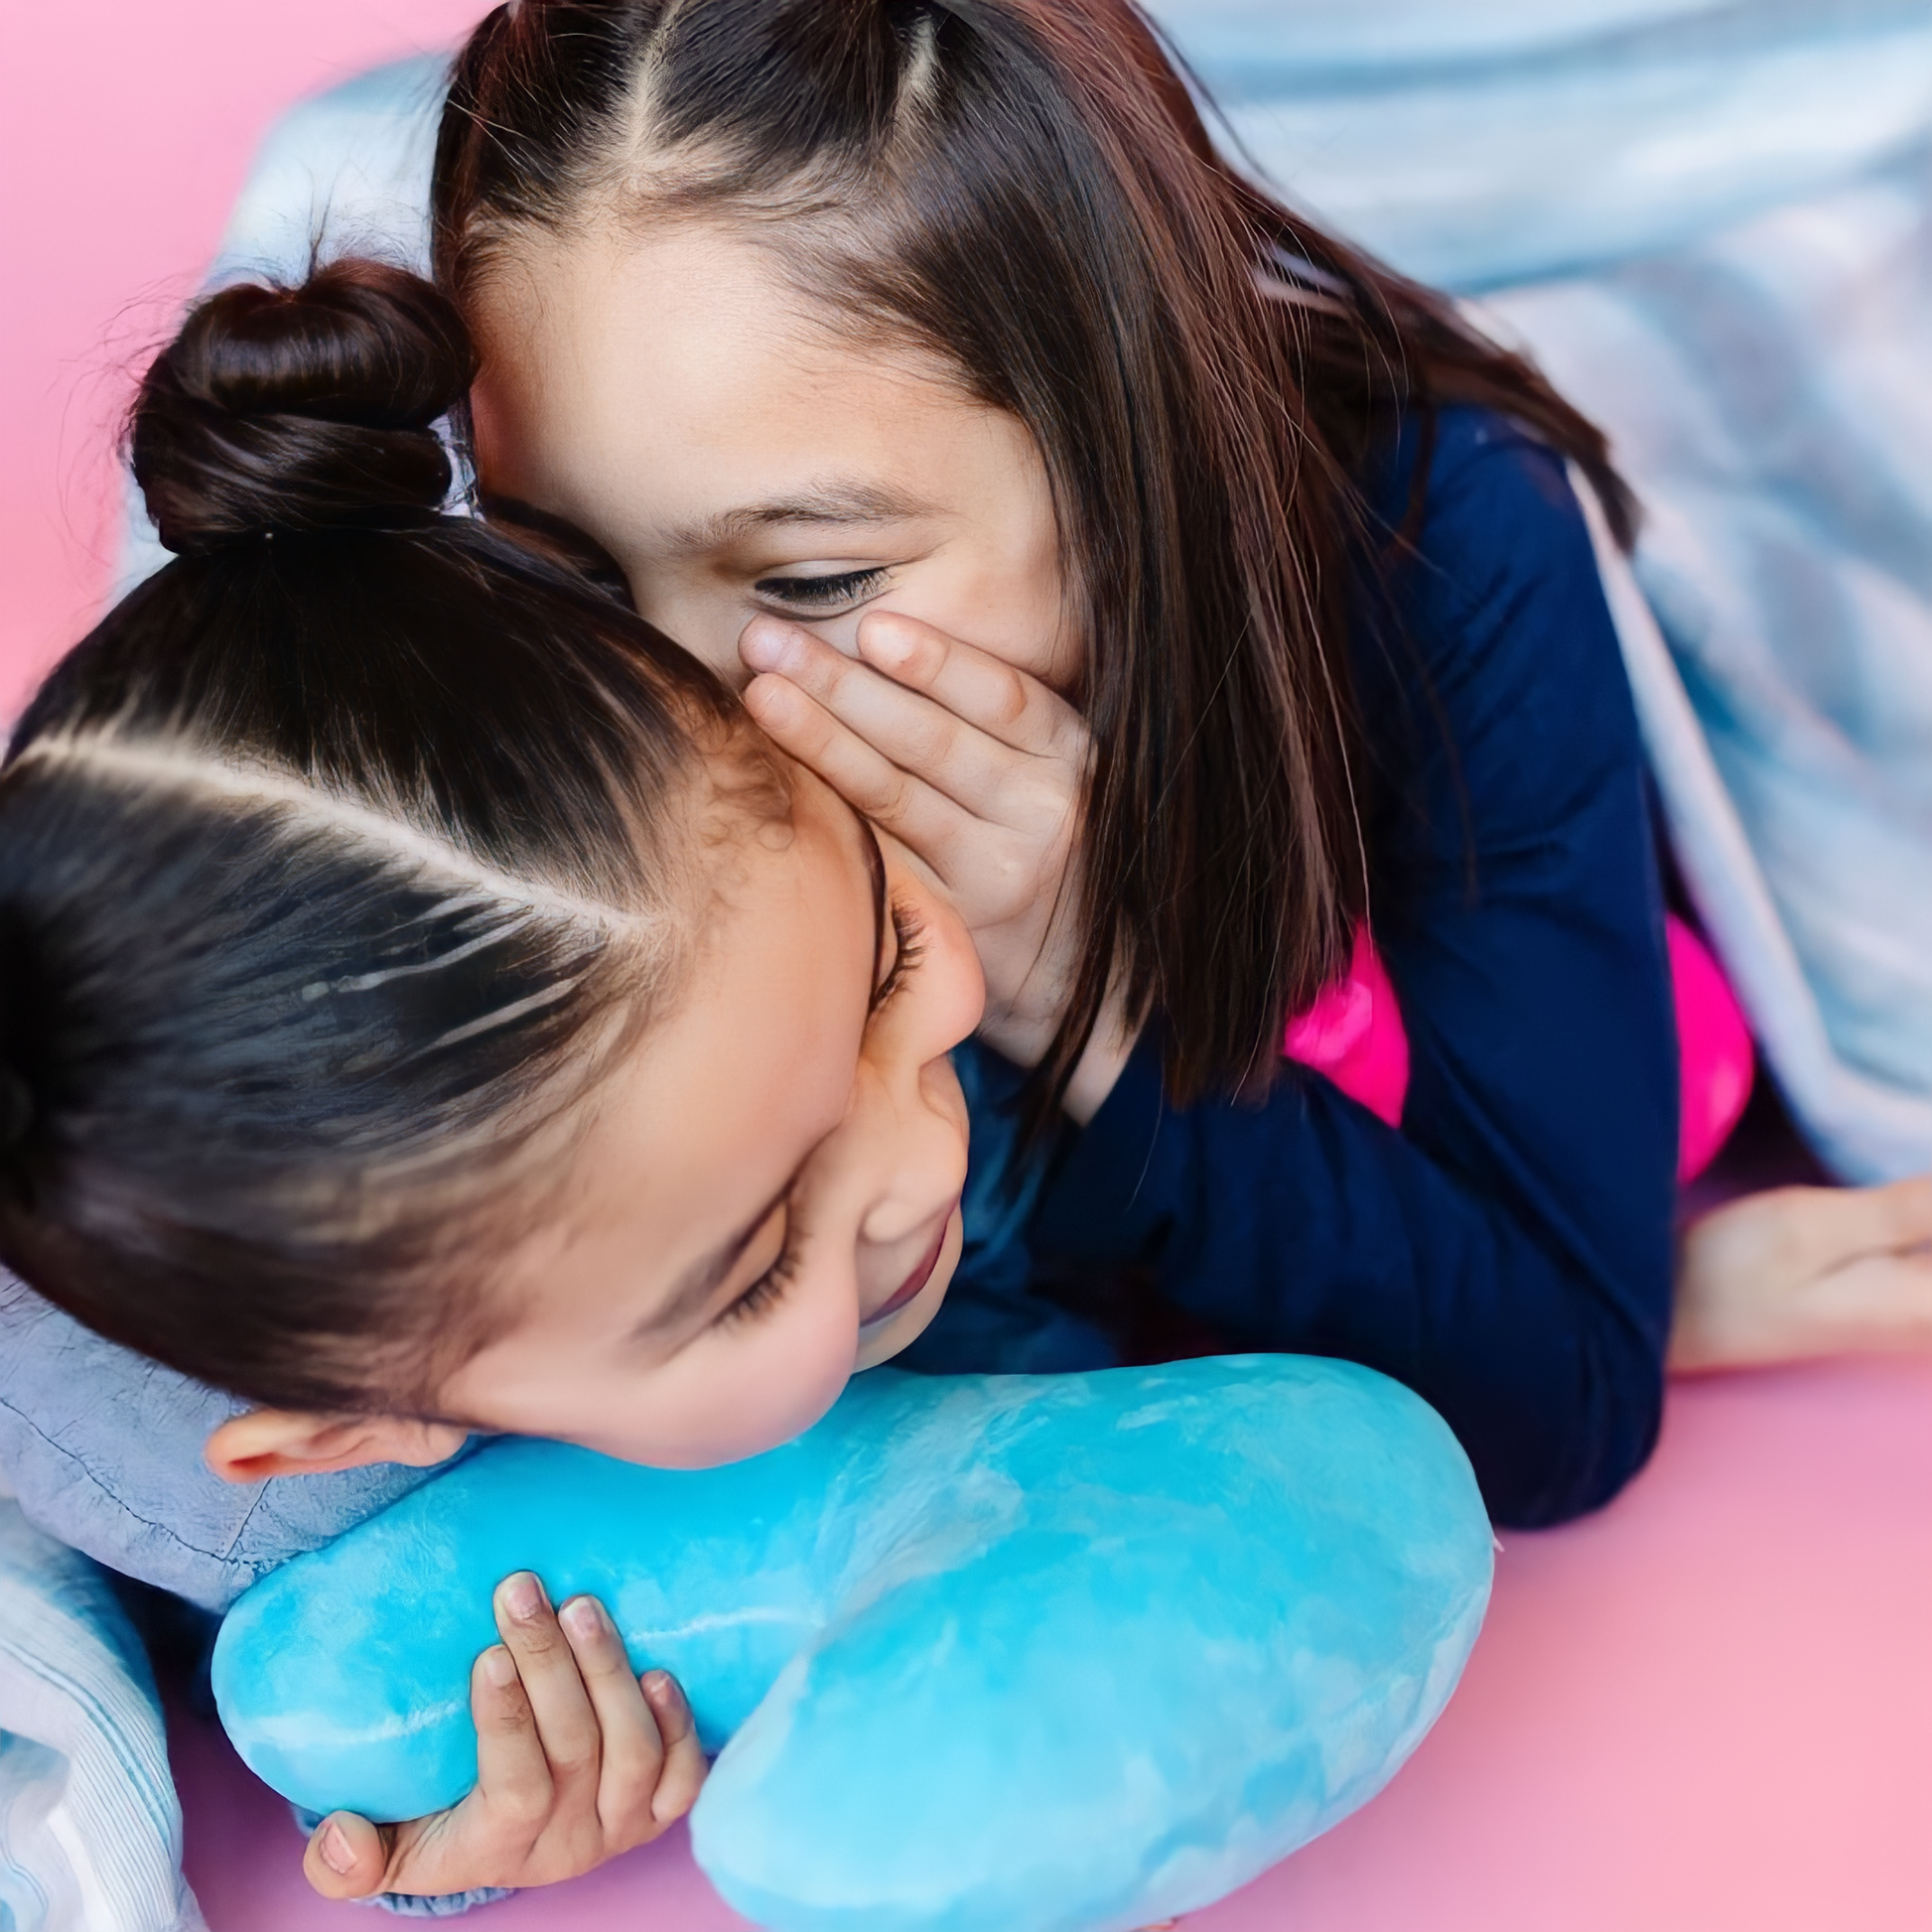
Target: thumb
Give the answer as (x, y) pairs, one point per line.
(348, 1858)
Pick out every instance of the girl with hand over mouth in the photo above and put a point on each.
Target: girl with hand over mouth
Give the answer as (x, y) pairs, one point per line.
(1191, 595)
(1188, 595)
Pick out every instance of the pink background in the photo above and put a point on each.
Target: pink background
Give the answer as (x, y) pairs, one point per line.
(126, 130)
(1707, 1711)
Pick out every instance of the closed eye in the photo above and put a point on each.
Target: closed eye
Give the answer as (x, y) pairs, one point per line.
(823, 596)
(906, 932)
(769, 1289)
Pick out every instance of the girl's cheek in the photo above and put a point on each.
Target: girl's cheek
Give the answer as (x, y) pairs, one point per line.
(944, 1097)
(742, 1389)
(798, 1376)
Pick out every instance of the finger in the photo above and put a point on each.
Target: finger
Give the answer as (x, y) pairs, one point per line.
(895, 800)
(684, 1760)
(1833, 1227)
(501, 1831)
(991, 694)
(515, 1793)
(1882, 1304)
(911, 731)
(1791, 1234)
(914, 730)
(1906, 1208)
(632, 1751)
(547, 1666)
(348, 1858)
(1829, 1225)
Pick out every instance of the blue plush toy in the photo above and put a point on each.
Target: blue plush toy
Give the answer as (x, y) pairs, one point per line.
(994, 1654)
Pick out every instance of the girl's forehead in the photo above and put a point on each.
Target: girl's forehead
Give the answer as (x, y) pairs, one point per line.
(678, 383)
(719, 298)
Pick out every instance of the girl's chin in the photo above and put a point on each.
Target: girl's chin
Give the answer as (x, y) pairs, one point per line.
(880, 1344)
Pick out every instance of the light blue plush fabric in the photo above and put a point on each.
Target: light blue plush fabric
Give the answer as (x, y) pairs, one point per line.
(1490, 143)
(1710, 220)
(988, 1654)
(89, 1828)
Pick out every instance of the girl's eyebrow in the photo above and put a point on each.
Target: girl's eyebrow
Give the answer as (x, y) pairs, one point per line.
(830, 502)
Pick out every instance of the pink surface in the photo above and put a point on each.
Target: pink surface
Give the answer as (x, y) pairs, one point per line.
(1707, 1709)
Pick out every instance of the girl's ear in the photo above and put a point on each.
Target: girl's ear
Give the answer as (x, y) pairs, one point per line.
(283, 1442)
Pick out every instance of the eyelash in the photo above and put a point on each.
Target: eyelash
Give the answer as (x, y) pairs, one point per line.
(769, 1289)
(822, 593)
(907, 933)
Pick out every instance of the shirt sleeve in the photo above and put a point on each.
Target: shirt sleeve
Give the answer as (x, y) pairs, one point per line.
(1507, 1252)
(103, 1449)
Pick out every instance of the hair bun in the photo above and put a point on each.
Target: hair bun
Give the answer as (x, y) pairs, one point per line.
(306, 408)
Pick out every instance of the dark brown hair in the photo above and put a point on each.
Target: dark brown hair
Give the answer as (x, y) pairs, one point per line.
(1027, 188)
(332, 864)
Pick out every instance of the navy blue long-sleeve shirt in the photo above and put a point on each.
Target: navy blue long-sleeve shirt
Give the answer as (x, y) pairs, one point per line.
(1507, 1252)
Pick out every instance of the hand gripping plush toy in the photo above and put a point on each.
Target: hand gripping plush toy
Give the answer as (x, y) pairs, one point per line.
(993, 1654)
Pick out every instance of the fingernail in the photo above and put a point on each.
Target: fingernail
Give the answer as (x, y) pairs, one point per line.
(662, 1688)
(885, 641)
(499, 1667)
(524, 1598)
(763, 646)
(583, 1617)
(335, 1851)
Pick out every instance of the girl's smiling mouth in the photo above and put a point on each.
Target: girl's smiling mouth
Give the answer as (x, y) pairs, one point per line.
(909, 1289)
